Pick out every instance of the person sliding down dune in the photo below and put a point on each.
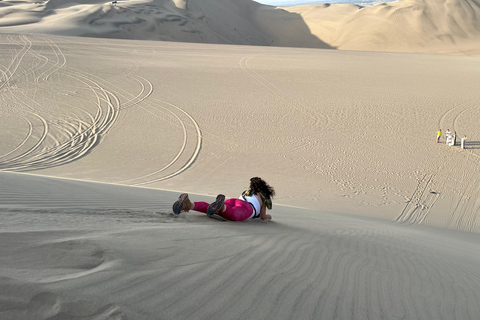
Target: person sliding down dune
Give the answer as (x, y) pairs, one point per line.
(252, 204)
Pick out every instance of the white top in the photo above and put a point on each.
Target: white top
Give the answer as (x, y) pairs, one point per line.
(255, 203)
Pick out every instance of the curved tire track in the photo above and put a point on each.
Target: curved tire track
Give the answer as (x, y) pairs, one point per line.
(79, 140)
(57, 139)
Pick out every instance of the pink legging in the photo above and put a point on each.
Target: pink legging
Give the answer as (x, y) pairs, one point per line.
(235, 209)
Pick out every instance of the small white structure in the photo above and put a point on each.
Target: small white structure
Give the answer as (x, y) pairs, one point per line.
(462, 144)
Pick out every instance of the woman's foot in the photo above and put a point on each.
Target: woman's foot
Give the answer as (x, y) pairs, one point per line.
(182, 204)
(216, 206)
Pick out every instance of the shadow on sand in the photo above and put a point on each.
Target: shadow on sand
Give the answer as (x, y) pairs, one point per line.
(472, 145)
(285, 29)
(223, 22)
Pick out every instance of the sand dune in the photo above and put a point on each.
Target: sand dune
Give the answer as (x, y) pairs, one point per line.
(437, 26)
(372, 218)
(403, 26)
(93, 251)
(228, 22)
(347, 132)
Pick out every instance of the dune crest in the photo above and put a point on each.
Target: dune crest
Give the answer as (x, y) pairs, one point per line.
(199, 21)
(437, 26)
(440, 26)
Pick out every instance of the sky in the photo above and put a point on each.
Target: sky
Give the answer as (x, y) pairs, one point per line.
(287, 3)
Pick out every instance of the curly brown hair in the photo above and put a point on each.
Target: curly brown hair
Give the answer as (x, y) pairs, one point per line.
(258, 185)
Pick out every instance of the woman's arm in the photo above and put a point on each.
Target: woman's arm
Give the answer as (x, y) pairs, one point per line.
(263, 213)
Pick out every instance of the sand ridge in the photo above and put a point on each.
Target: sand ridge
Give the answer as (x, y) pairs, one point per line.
(96, 251)
(440, 26)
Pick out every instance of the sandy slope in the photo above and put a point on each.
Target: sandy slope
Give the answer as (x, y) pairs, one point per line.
(443, 26)
(349, 135)
(82, 250)
(434, 26)
(345, 132)
(204, 21)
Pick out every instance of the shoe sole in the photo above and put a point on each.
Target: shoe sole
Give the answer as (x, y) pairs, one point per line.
(216, 206)
(177, 206)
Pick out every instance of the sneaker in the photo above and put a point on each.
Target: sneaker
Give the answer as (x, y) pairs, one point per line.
(178, 206)
(217, 205)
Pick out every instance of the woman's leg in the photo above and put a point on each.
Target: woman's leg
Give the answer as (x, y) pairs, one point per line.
(200, 206)
(237, 210)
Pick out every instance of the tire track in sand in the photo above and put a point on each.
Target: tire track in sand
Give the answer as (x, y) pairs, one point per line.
(83, 140)
(16, 61)
(76, 135)
(80, 140)
(451, 182)
(159, 175)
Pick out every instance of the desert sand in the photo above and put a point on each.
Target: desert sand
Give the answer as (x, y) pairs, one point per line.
(428, 26)
(98, 137)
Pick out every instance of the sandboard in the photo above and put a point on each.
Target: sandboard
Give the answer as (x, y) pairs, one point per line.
(217, 217)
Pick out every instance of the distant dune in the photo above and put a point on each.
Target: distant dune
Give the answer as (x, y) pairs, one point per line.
(242, 22)
(450, 26)
(406, 26)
